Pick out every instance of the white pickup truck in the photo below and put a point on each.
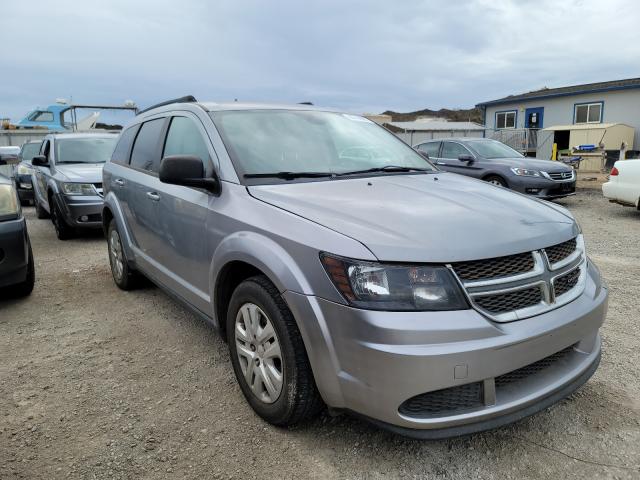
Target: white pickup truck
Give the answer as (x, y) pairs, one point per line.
(623, 186)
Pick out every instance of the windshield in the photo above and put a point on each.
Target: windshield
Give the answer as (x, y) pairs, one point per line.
(29, 150)
(271, 141)
(85, 150)
(493, 149)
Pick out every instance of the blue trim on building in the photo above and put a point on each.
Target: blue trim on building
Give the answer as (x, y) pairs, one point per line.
(601, 102)
(495, 119)
(542, 96)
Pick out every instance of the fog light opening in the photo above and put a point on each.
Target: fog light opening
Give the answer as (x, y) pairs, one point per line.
(84, 218)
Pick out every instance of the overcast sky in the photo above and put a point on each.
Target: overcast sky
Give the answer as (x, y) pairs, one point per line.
(361, 56)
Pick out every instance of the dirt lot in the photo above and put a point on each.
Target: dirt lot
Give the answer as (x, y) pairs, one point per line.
(99, 383)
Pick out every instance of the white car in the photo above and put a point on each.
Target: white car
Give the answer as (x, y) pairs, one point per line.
(623, 186)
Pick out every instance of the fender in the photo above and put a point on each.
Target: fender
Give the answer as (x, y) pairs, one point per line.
(264, 254)
(111, 203)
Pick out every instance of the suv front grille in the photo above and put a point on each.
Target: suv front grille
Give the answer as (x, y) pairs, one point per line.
(566, 282)
(561, 251)
(510, 301)
(494, 267)
(444, 402)
(518, 286)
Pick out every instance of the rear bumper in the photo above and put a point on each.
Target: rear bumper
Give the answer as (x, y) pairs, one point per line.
(14, 252)
(372, 363)
(74, 208)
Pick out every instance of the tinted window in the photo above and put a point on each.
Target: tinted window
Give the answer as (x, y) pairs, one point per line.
(184, 138)
(453, 150)
(430, 149)
(145, 154)
(122, 151)
(84, 150)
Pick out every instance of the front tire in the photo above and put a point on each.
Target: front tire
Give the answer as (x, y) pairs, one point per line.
(63, 230)
(496, 180)
(268, 355)
(41, 213)
(125, 277)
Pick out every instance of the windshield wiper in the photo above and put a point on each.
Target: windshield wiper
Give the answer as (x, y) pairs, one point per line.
(388, 168)
(289, 175)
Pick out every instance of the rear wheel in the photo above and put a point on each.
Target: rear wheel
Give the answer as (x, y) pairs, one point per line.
(268, 355)
(496, 180)
(124, 276)
(63, 230)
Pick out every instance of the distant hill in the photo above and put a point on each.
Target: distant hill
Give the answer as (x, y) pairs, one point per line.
(471, 114)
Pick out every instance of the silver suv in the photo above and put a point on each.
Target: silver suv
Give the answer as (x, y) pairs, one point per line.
(345, 269)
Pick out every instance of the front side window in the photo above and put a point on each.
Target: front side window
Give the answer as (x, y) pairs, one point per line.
(588, 113)
(29, 150)
(506, 119)
(493, 149)
(42, 117)
(430, 148)
(145, 154)
(184, 138)
(84, 150)
(453, 150)
(268, 141)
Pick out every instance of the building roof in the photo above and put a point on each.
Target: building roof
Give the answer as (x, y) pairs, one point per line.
(435, 125)
(565, 91)
(585, 126)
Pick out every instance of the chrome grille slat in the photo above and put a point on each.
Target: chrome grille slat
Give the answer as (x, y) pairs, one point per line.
(527, 284)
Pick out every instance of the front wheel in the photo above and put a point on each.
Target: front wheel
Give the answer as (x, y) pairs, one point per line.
(496, 180)
(125, 277)
(268, 356)
(41, 213)
(63, 230)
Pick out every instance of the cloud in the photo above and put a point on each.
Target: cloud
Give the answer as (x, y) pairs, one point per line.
(355, 55)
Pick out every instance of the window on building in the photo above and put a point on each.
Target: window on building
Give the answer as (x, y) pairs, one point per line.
(506, 119)
(588, 113)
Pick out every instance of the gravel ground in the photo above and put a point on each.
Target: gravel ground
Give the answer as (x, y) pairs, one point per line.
(99, 383)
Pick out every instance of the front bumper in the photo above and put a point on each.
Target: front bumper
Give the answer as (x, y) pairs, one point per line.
(542, 187)
(24, 186)
(372, 362)
(76, 207)
(14, 252)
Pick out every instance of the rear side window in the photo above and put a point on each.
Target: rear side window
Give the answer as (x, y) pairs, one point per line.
(146, 154)
(122, 152)
(430, 149)
(184, 138)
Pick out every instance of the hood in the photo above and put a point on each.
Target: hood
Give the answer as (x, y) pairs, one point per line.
(81, 173)
(533, 164)
(440, 217)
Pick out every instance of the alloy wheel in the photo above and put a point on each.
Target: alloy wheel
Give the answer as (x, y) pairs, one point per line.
(115, 255)
(259, 353)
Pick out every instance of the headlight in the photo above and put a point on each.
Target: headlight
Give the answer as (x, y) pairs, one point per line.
(525, 172)
(9, 207)
(78, 189)
(378, 286)
(24, 170)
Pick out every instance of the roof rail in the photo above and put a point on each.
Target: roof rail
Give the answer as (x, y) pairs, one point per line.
(185, 99)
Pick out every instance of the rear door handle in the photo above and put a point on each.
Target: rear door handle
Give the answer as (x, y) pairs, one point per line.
(119, 182)
(153, 196)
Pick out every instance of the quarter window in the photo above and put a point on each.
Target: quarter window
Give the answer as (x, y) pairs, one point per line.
(122, 151)
(588, 113)
(145, 154)
(430, 148)
(184, 138)
(506, 119)
(453, 150)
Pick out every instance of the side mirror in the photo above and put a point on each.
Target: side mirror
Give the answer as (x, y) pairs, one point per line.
(39, 161)
(187, 170)
(467, 158)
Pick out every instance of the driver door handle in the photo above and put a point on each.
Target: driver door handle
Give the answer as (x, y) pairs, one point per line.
(153, 196)
(119, 182)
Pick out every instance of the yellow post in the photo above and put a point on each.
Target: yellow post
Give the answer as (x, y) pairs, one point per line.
(554, 152)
